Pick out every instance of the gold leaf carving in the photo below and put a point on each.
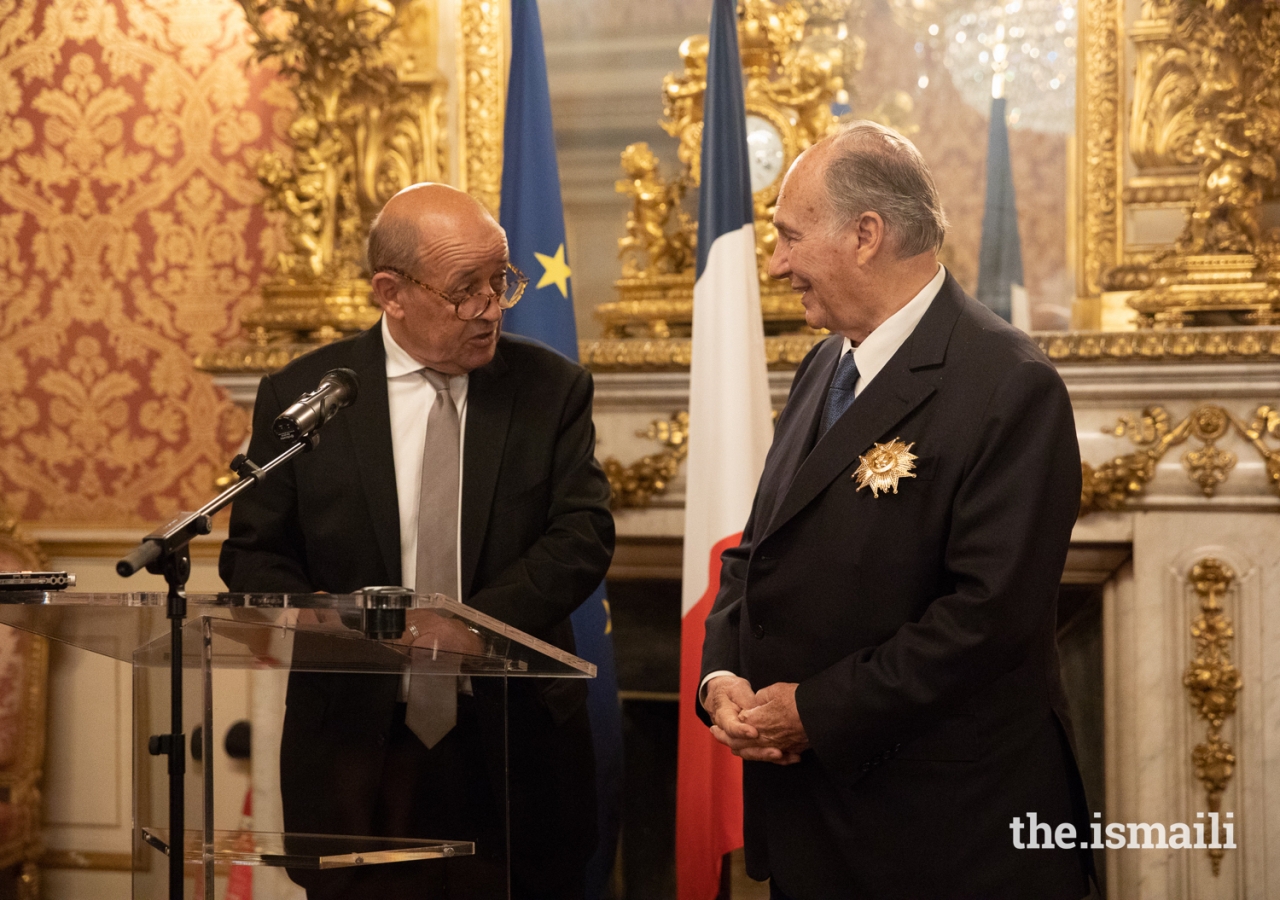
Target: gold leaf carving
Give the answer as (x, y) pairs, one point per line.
(370, 120)
(1163, 125)
(1112, 484)
(635, 484)
(482, 98)
(1235, 50)
(796, 60)
(1212, 682)
(1100, 85)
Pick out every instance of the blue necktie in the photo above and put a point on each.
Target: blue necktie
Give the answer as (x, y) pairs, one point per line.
(840, 394)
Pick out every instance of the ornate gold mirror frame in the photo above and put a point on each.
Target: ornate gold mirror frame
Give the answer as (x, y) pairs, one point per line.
(1178, 121)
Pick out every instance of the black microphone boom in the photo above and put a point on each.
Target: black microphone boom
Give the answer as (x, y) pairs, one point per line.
(337, 389)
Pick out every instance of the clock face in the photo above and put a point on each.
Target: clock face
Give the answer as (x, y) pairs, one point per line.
(765, 153)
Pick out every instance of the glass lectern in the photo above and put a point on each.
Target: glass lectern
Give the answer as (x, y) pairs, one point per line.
(297, 656)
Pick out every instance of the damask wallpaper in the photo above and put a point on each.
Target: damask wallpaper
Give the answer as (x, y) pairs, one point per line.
(131, 237)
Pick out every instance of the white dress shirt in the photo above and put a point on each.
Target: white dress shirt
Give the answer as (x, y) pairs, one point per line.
(877, 348)
(409, 399)
(871, 356)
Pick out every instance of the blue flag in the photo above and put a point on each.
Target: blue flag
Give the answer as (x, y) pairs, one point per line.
(1000, 258)
(532, 212)
(533, 216)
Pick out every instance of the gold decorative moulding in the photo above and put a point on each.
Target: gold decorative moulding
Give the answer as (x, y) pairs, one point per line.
(1212, 682)
(633, 486)
(1110, 486)
(674, 354)
(1182, 345)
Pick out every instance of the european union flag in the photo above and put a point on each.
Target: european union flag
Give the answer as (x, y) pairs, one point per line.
(532, 212)
(533, 216)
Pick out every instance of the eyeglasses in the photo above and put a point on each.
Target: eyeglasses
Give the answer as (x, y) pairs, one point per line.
(507, 287)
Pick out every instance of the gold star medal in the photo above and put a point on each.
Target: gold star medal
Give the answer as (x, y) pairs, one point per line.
(881, 468)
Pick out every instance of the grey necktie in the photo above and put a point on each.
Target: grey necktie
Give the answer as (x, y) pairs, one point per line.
(432, 708)
(840, 394)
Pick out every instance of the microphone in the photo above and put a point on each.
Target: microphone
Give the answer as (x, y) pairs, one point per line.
(338, 388)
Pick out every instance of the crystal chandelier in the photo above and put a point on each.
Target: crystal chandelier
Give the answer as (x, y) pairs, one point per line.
(1023, 50)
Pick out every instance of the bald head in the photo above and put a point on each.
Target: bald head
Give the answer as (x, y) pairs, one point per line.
(430, 248)
(401, 234)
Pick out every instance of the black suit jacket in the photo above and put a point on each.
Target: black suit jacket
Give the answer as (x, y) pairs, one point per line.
(919, 625)
(536, 540)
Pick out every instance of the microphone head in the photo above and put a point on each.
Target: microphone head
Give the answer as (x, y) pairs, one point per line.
(348, 383)
(337, 389)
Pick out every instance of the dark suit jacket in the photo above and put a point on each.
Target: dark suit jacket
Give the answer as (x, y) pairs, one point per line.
(919, 625)
(536, 537)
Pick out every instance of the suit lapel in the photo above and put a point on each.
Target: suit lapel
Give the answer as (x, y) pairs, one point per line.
(490, 399)
(368, 422)
(797, 428)
(900, 387)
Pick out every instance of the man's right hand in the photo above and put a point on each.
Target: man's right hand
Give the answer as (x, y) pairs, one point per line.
(727, 696)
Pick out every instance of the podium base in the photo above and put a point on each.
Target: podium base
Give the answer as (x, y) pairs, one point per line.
(305, 851)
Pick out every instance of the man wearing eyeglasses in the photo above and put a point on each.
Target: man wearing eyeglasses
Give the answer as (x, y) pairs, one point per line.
(465, 468)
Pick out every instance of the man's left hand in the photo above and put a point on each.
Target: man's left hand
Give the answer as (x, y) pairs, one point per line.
(777, 722)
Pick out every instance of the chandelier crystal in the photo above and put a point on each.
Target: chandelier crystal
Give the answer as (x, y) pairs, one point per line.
(1023, 50)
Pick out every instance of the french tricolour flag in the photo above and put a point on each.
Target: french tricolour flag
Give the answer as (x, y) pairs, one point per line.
(730, 429)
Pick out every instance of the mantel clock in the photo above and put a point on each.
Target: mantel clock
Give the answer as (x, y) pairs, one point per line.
(797, 60)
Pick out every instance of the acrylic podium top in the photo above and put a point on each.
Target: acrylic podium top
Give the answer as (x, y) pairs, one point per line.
(377, 630)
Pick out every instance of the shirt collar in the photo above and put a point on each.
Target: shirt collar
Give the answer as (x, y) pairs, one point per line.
(878, 347)
(399, 362)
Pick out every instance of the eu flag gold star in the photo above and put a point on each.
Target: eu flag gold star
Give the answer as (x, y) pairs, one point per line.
(554, 271)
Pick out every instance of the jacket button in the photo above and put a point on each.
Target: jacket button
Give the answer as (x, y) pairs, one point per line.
(758, 631)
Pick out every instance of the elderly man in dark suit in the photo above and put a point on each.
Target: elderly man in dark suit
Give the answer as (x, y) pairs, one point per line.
(882, 651)
(466, 468)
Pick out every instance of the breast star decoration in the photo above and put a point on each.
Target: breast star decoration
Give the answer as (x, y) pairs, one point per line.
(883, 465)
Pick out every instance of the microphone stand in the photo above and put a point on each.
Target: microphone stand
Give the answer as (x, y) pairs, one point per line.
(165, 551)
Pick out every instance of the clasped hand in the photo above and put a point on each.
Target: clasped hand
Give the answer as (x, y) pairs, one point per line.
(762, 726)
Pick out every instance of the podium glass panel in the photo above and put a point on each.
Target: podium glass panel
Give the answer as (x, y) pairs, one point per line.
(346, 798)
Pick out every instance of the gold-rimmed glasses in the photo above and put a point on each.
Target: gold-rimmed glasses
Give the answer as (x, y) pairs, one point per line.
(507, 288)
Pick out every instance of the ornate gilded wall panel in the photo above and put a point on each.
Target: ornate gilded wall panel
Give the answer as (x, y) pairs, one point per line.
(1162, 128)
(482, 93)
(1178, 164)
(131, 237)
(1098, 108)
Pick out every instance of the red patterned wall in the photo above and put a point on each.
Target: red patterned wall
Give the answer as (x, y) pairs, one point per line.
(131, 237)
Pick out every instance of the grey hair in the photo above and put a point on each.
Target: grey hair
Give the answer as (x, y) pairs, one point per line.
(393, 243)
(874, 169)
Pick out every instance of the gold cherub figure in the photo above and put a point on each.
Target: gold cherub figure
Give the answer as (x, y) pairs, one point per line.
(649, 246)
